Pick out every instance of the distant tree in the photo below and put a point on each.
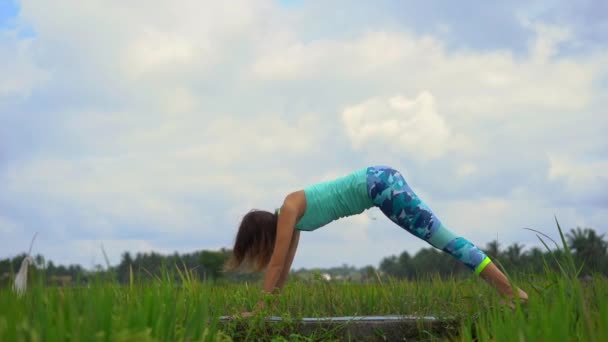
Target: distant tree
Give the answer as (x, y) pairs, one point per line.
(532, 261)
(5, 266)
(390, 266)
(493, 249)
(589, 248)
(50, 268)
(513, 255)
(124, 268)
(212, 263)
(368, 272)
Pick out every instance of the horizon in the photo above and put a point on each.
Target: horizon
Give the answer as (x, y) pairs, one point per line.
(95, 266)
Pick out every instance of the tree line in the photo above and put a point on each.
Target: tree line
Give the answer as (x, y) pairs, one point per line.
(590, 251)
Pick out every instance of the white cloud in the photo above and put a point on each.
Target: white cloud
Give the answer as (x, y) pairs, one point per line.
(581, 178)
(400, 124)
(18, 72)
(549, 37)
(469, 84)
(577, 173)
(181, 100)
(221, 159)
(372, 52)
(156, 51)
(466, 169)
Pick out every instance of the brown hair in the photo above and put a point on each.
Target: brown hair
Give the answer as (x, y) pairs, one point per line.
(254, 242)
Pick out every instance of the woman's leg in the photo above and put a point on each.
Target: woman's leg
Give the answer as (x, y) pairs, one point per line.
(390, 192)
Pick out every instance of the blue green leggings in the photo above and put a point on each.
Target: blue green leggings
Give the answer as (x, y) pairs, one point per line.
(390, 192)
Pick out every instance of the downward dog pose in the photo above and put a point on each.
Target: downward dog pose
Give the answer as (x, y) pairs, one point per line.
(269, 241)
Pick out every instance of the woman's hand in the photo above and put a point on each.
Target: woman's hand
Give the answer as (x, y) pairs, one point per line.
(246, 314)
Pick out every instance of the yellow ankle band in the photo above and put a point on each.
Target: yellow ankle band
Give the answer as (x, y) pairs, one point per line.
(483, 265)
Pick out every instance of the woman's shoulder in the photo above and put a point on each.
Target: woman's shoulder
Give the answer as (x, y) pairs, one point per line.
(295, 201)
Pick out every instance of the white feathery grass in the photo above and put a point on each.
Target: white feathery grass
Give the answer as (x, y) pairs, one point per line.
(20, 285)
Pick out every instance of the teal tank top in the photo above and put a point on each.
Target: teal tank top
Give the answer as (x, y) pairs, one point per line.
(331, 200)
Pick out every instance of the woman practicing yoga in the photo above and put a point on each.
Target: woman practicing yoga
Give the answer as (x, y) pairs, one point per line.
(269, 241)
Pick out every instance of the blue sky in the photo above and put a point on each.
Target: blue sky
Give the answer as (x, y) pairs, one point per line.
(8, 11)
(157, 126)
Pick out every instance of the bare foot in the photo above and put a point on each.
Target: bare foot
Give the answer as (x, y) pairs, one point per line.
(509, 300)
(499, 281)
(523, 296)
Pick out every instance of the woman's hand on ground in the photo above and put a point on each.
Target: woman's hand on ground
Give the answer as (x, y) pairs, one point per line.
(246, 314)
(260, 306)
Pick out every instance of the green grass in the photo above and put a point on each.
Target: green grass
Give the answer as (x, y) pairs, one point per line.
(559, 309)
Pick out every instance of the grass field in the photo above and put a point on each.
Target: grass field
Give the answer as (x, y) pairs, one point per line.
(559, 309)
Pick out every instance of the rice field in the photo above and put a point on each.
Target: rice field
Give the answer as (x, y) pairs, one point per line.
(560, 309)
(177, 307)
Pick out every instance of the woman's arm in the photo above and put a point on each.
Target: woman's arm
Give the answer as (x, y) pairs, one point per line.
(285, 231)
(290, 256)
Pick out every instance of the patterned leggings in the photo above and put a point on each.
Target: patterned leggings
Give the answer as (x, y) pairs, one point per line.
(390, 192)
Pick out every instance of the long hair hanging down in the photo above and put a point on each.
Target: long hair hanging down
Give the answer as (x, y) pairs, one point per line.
(254, 242)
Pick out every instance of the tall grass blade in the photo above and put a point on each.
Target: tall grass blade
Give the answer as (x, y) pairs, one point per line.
(564, 273)
(29, 252)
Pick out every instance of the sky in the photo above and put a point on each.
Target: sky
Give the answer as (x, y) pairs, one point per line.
(156, 125)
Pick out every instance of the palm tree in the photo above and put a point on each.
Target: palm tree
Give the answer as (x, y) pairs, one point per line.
(493, 249)
(390, 265)
(534, 260)
(513, 254)
(588, 247)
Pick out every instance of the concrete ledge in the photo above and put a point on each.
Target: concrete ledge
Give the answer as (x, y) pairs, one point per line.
(360, 328)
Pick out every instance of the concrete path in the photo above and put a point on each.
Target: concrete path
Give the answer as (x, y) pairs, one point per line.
(366, 328)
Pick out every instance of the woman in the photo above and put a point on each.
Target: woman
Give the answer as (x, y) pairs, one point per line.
(269, 241)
